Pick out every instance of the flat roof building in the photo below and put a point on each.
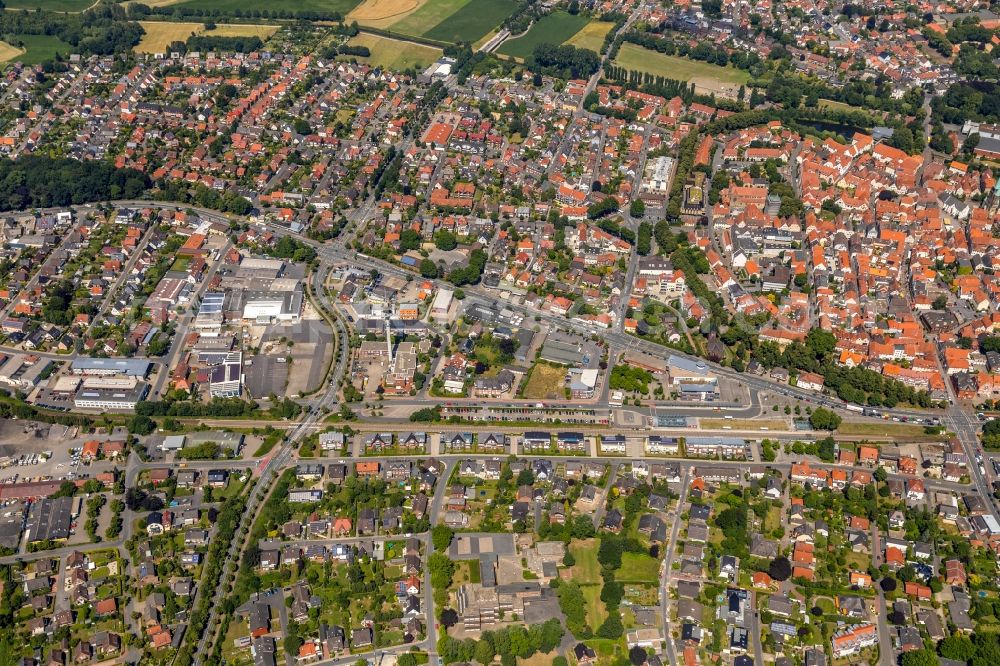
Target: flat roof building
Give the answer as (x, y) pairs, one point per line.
(136, 367)
(110, 399)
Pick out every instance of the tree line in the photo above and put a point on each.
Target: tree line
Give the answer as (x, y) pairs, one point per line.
(139, 10)
(39, 181)
(101, 30)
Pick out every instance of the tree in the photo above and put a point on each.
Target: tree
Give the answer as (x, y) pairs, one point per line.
(940, 303)
(484, 653)
(637, 655)
(141, 425)
(428, 269)
(441, 536)
(449, 618)
(637, 208)
(780, 569)
(922, 657)
(406, 659)
(959, 647)
(824, 419)
(445, 240)
(612, 627)
(409, 240)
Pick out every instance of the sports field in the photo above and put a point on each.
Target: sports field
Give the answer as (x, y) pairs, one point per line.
(160, 34)
(554, 28)
(707, 78)
(472, 21)
(229, 6)
(591, 36)
(393, 54)
(383, 13)
(8, 52)
(50, 5)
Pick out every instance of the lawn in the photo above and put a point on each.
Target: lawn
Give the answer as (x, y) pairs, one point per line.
(383, 13)
(706, 76)
(8, 52)
(545, 382)
(51, 5)
(743, 424)
(592, 36)
(472, 21)
(587, 570)
(38, 48)
(394, 54)
(425, 17)
(883, 428)
(160, 34)
(827, 104)
(597, 612)
(772, 520)
(639, 568)
(319, 6)
(554, 28)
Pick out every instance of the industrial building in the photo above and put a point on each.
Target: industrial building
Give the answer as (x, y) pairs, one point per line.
(135, 367)
(111, 399)
(226, 379)
(50, 519)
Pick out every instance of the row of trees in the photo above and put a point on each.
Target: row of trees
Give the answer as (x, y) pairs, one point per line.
(140, 10)
(247, 44)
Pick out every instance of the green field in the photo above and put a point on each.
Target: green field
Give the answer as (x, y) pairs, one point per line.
(706, 76)
(586, 571)
(554, 28)
(592, 36)
(639, 568)
(472, 21)
(229, 6)
(41, 47)
(50, 5)
(393, 54)
(884, 429)
(426, 16)
(597, 612)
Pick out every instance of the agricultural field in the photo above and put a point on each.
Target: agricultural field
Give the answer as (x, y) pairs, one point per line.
(37, 48)
(472, 21)
(229, 6)
(160, 34)
(707, 78)
(8, 52)
(394, 54)
(384, 13)
(554, 28)
(426, 16)
(591, 36)
(51, 5)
